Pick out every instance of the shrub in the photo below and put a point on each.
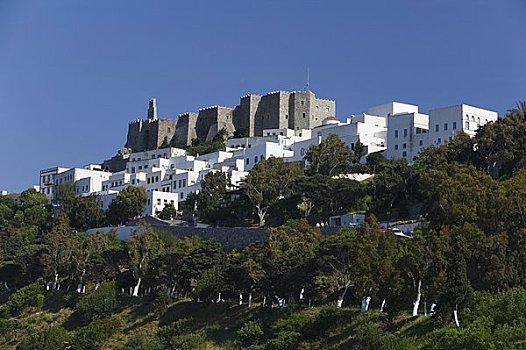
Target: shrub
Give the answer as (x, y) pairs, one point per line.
(98, 331)
(99, 303)
(161, 301)
(284, 341)
(250, 333)
(29, 296)
(53, 338)
(297, 322)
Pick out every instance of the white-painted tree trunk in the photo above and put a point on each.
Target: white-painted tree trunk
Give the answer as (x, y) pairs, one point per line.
(432, 309)
(425, 307)
(416, 304)
(264, 300)
(218, 298)
(301, 293)
(339, 303)
(136, 288)
(97, 285)
(249, 299)
(382, 306)
(240, 298)
(455, 315)
(6, 286)
(365, 304)
(79, 288)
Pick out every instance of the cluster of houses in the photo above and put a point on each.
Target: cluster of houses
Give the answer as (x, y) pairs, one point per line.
(168, 174)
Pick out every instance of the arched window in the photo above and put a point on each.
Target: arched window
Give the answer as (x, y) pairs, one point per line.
(302, 152)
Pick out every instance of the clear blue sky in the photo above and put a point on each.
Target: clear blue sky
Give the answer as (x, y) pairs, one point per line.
(73, 73)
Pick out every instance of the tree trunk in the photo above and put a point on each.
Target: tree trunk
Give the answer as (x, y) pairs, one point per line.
(417, 301)
(432, 309)
(365, 304)
(301, 293)
(240, 298)
(136, 288)
(249, 299)
(261, 215)
(218, 297)
(340, 299)
(455, 315)
(382, 307)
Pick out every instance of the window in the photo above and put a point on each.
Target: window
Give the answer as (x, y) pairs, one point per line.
(184, 182)
(180, 183)
(133, 169)
(478, 120)
(262, 157)
(158, 200)
(396, 134)
(439, 141)
(286, 116)
(404, 154)
(248, 161)
(317, 108)
(303, 115)
(181, 195)
(404, 146)
(405, 132)
(421, 143)
(445, 126)
(418, 131)
(255, 159)
(437, 128)
(454, 125)
(302, 102)
(302, 152)
(467, 125)
(396, 147)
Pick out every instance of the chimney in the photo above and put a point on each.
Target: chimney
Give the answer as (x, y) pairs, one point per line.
(152, 109)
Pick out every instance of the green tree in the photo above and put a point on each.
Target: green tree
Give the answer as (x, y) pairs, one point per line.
(129, 203)
(86, 212)
(268, 182)
(60, 249)
(212, 195)
(331, 157)
(168, 212)
(143, 248)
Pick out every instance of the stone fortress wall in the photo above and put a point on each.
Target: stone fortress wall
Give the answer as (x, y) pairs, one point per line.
(276, 110)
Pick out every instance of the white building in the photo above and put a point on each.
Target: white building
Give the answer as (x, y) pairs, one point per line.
(87, 180)
(446, 122)
(407, 135)
(47, 180)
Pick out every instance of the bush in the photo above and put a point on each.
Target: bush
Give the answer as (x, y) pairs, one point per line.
(54, 338)
(297, 322)
(161, 301)
(284, 341)
(98, 331)
(250, 333)
(327, 318)
(140, 342)
(99, 303)
(29, 296)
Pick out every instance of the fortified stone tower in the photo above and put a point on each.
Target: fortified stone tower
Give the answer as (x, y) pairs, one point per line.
(150, 133)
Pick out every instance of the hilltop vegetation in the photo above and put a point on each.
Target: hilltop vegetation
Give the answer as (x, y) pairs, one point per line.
(458, 283)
